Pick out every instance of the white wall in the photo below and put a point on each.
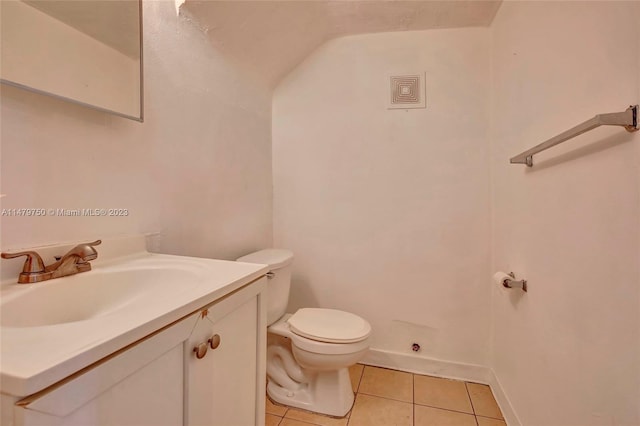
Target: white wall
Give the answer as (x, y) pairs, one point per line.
(387, 211)
(567, 352)
(198, 170)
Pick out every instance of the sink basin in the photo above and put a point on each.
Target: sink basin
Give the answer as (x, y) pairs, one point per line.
(53, 329)
(93, 294)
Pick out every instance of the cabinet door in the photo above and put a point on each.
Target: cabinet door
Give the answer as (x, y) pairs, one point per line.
(142, 385)
(222, 384)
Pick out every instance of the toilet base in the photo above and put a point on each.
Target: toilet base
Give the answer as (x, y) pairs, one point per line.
(328, 392)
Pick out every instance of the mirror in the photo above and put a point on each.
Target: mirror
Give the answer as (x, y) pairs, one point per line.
(87, 52)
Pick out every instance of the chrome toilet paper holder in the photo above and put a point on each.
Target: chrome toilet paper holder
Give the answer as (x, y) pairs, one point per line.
(513, 283)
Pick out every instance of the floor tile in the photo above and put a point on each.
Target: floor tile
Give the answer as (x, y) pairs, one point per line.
(442, 393)
(486, 421)
(355, 373)
(276, 410)
(387, 383)
(484, 404)
(373, 411)
(384, 398)
(314, 418)
(429, 416)
(271, 420)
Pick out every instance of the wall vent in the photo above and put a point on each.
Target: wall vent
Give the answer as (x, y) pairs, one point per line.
(407, 91)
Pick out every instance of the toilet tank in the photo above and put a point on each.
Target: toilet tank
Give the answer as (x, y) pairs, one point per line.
(279, 279)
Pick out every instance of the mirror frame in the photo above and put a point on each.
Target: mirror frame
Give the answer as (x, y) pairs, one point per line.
(139, 118)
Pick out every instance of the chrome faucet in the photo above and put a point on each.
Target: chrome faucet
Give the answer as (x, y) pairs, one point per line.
(74, 261)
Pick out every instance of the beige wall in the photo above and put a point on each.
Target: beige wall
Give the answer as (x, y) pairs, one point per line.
(387, 211)
(198, 170)
(567, 352)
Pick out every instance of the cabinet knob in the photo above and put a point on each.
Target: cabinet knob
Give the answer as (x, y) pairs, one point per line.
(214, 341)
(201, 349)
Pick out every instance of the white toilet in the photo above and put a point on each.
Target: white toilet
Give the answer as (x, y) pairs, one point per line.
(310, 368)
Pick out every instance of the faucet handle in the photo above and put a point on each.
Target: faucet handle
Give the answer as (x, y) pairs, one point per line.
(87, 251)
(32, 265)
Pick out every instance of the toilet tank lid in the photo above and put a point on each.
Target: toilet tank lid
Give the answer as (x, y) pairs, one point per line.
(275, 258)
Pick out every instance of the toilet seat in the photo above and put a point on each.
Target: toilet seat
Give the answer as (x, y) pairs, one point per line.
(283, 328)
(326, 348)
(329, 325)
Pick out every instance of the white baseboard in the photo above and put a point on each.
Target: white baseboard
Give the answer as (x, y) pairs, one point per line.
(428, 366)
(446, 369)
(503, 401)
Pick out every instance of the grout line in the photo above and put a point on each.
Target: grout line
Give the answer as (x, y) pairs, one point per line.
(422, 375)
(385, 368)
(386, 397)
(446, 409)
(476, 383)
(360, 379)
(470, 400)
(355, 396)
(492, 418)
(413, 397)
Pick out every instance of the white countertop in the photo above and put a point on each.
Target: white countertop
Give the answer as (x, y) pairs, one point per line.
(34, 357)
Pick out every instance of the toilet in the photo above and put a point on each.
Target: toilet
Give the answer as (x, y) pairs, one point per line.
(310, 351)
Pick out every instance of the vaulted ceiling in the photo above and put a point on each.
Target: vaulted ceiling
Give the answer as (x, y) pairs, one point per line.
(272, 37)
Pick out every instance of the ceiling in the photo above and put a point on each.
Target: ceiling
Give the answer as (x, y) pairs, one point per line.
(272, 37)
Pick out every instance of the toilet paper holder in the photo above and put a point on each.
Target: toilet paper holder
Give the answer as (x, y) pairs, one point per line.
(513, 283)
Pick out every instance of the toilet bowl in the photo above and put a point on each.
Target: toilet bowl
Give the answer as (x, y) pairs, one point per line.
(308, 373)
(310, 351)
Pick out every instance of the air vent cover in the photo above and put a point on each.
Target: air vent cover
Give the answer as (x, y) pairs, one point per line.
(407, 91)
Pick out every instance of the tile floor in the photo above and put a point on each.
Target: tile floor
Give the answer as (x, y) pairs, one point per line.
(388, 397)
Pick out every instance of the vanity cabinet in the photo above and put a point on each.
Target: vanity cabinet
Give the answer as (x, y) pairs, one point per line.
(221, 385)
(160, 380)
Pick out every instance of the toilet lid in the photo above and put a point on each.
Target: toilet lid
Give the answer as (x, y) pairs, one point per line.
(329, 325)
